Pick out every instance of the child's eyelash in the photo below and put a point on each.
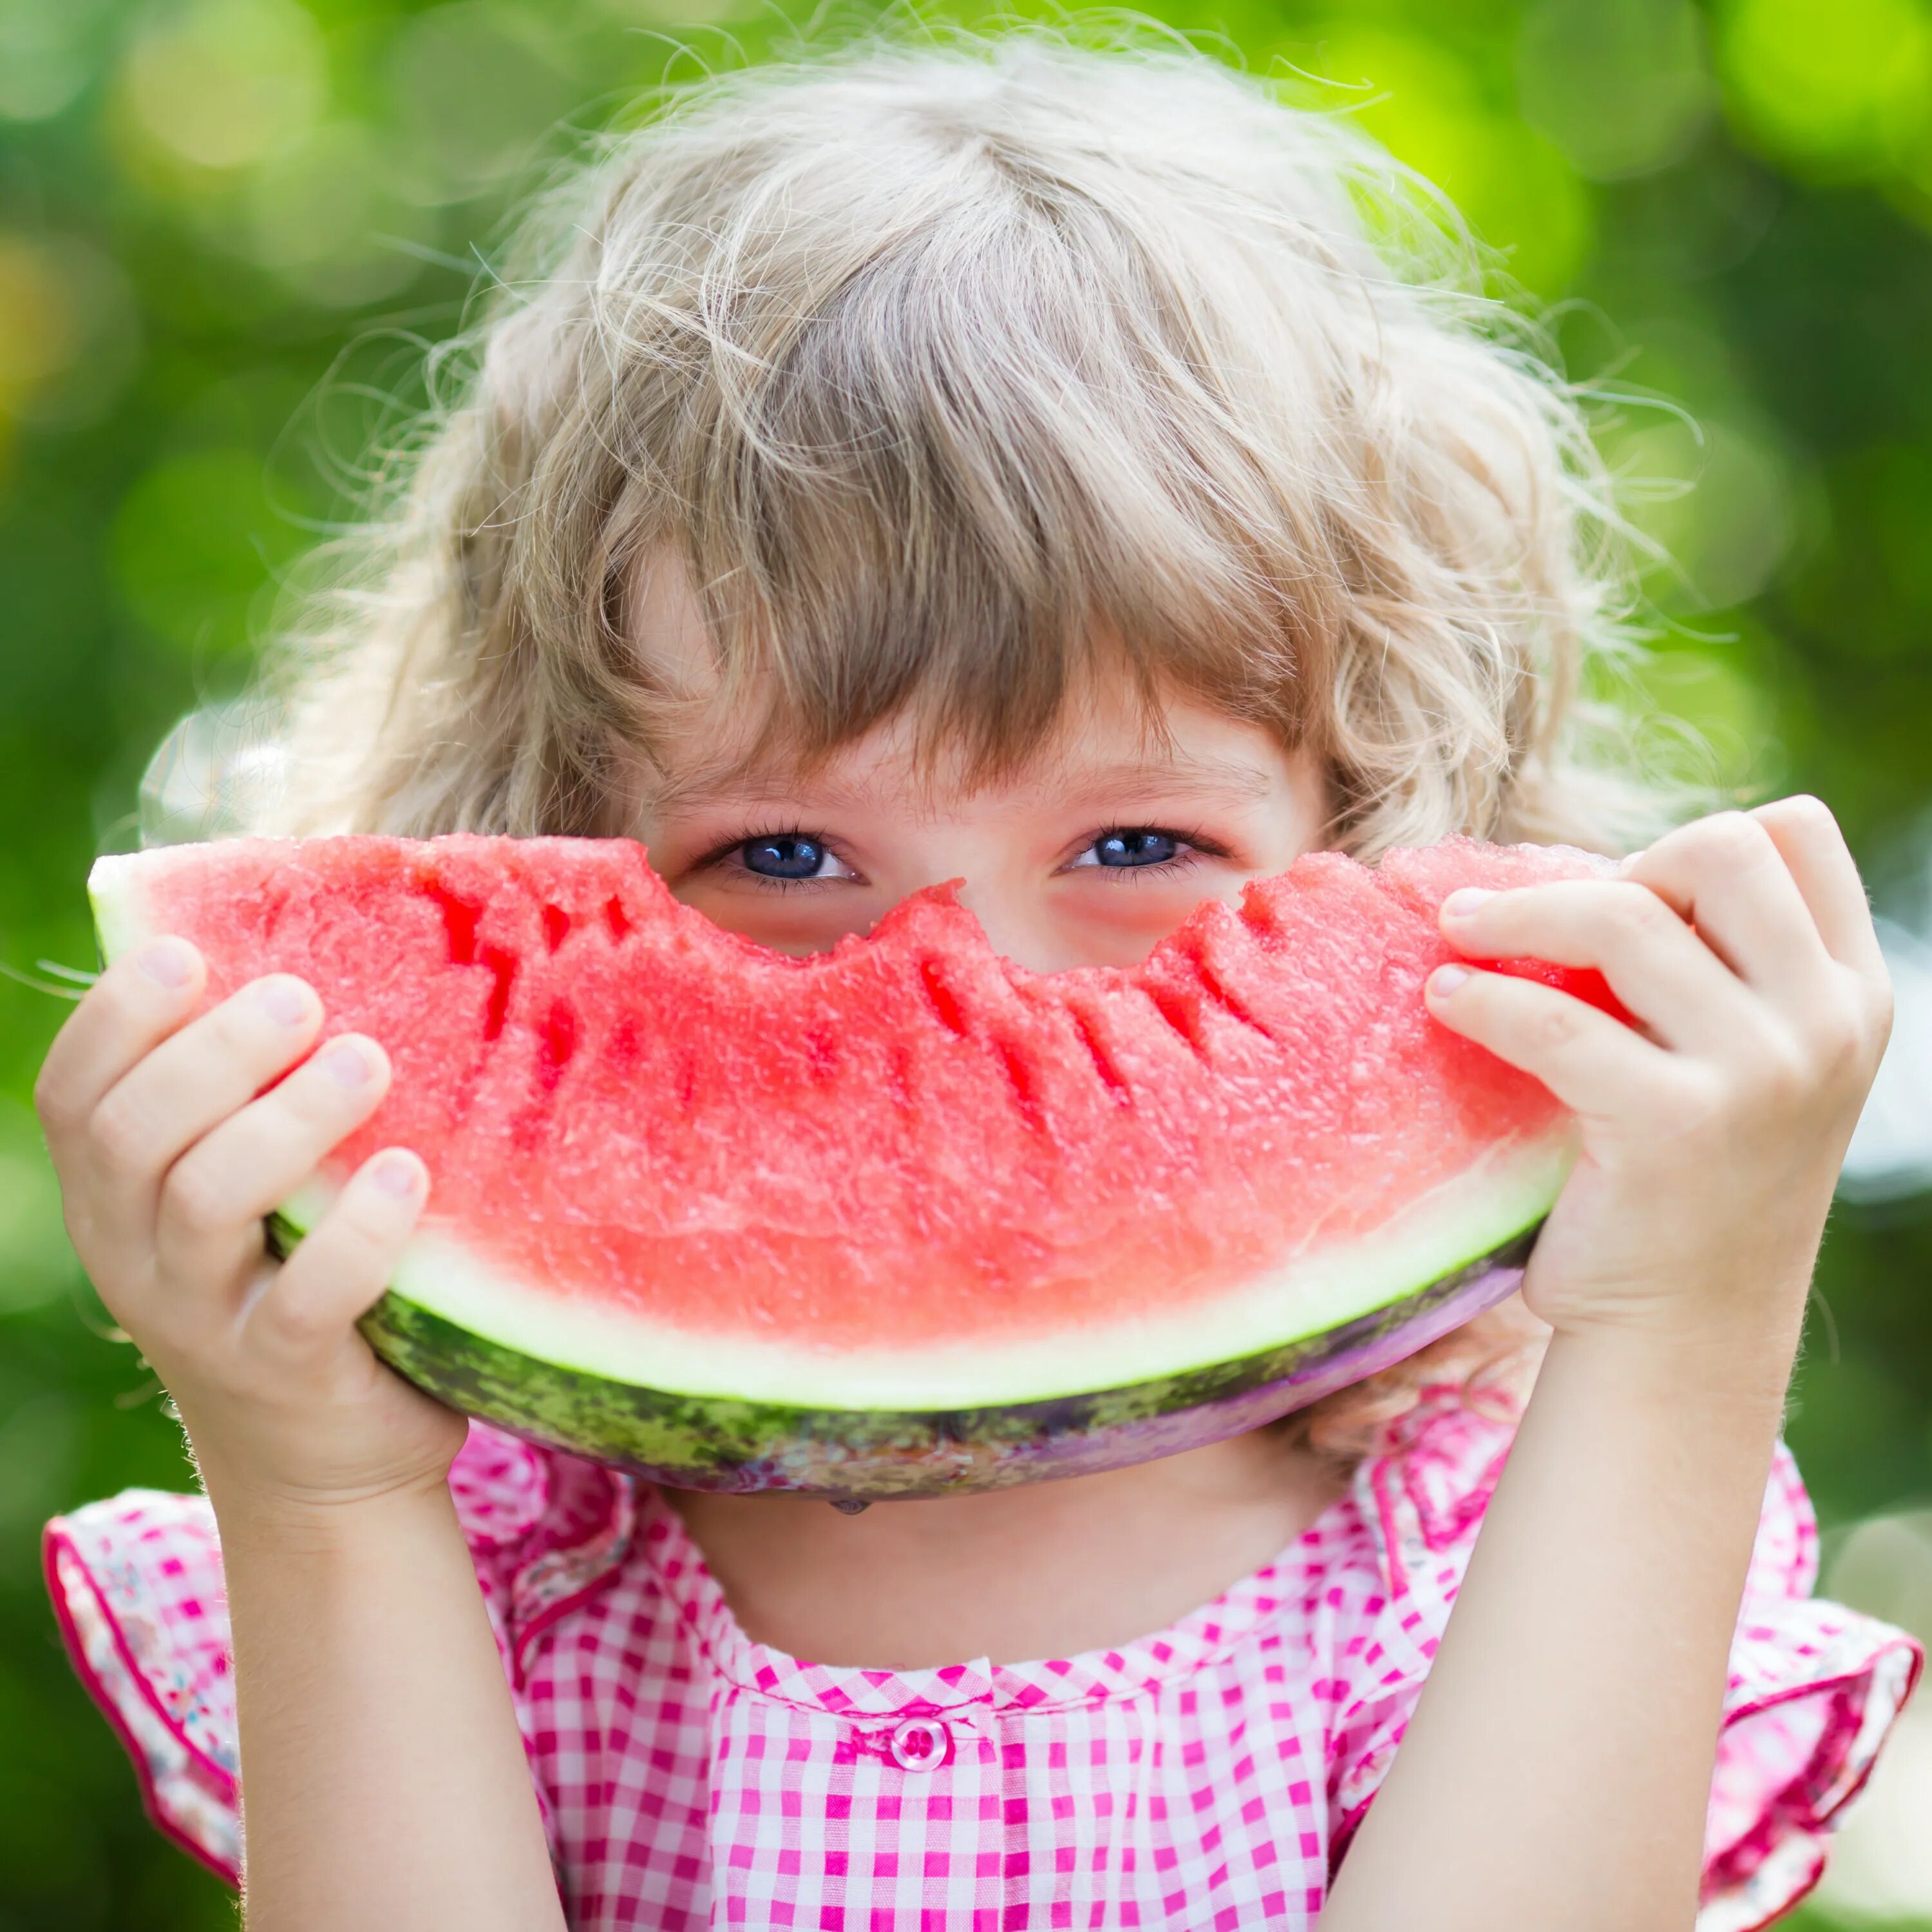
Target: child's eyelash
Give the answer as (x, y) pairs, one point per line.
(751, 835)
(756, 834)
(1195, 846)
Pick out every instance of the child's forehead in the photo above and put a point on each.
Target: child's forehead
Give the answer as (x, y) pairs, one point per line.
(1092, 758)
(667, 626)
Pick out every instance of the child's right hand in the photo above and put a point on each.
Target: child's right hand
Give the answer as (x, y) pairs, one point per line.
(169, 1156)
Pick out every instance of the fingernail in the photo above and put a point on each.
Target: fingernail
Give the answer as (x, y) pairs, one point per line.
(396, 1175)
(1445, 979)
(282, 1000)
(166, 962)
(1465, 900)
(347, 1065)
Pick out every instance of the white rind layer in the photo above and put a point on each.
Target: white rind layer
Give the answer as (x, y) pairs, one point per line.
(1486, 1207)
(120, 905)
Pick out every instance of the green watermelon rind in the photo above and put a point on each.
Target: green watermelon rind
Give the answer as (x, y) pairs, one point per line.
(1504, 1189)
(725, 1443)
(693, 1438)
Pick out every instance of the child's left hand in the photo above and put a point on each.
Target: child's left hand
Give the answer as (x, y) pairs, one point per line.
(1711, 1137)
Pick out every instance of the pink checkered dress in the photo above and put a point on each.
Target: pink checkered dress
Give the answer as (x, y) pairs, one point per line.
(1210, 1776)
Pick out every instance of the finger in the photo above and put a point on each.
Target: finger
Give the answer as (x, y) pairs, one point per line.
(1725, 875)
(136, 1004)
(1654, 962)
(194, 1080)
(214, 1197)
(340, 1269)
(1595, 1065)
(1821, 865)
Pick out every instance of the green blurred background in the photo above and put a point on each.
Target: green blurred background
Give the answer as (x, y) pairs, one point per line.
(205, 205)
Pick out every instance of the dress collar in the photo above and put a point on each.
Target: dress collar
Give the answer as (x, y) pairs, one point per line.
(1092, 1677)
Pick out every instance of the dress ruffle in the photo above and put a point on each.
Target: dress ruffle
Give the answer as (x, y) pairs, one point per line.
(1812, 1691)
(138, 1591)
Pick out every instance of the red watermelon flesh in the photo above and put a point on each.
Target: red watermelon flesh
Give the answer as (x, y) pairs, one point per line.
(903, 1180)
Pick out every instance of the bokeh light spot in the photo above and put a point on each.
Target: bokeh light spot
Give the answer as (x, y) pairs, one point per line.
(477, 90)
(220, 84)
(1515, 188)
(1620, 85)
(192, 546)
(1718, 709)
(1844, 82)
(48, 51)
(1715, 499)
(99, 345)
(326, 217)
(39, 332)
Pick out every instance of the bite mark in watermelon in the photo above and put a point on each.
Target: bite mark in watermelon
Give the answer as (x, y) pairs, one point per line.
(903, 1217)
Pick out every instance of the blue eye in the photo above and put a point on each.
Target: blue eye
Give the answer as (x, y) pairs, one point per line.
(1136, 846)
(784, 857)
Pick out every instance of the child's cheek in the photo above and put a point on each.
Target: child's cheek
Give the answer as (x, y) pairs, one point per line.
(796, 922)
(1118, 922)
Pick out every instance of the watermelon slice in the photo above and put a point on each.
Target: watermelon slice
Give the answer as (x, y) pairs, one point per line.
(903, 1217)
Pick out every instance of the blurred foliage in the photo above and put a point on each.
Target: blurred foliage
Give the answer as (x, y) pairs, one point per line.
(203, 203)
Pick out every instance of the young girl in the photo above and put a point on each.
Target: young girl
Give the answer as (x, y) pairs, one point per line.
(1084, 476)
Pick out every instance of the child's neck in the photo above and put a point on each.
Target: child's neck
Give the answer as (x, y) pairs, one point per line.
(1050, 1569)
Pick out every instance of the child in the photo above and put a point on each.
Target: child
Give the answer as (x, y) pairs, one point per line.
(1085, 476)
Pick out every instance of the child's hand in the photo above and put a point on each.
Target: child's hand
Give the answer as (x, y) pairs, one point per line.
(168, 1162)
(1710, 1148)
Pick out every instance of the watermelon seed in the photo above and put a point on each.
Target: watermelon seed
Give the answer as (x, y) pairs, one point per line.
(1222, 997)
(1180, 1015)
(943, 1002)
(1021, 1074)
(556, 926)
(1103, 1061)
(616, 918)
(460, 918)
(503, 967)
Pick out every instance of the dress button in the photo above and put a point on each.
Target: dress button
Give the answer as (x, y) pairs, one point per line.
(919, 1743)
